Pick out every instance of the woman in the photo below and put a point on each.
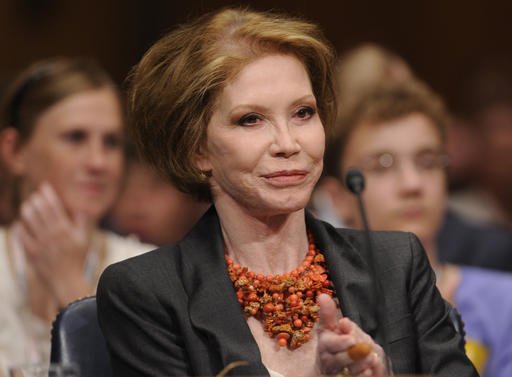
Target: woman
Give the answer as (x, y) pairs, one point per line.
(62, 138)
(233, 107)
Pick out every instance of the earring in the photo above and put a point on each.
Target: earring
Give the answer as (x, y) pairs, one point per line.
(205, 174)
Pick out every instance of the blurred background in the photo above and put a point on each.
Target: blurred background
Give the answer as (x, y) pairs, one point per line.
(440, 39)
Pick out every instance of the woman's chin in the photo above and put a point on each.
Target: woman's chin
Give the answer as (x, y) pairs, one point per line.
(285, 207)
(91, 215)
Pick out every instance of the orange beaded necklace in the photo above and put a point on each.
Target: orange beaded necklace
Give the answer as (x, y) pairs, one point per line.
(285, 304)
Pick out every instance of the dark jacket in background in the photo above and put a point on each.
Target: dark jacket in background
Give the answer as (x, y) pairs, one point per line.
(462, 242)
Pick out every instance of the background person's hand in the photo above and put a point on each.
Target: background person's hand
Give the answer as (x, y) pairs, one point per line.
(55, 244)
(336, 336)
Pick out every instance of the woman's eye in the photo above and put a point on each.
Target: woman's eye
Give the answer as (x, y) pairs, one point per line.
(113, 141)
(305, 112)
(75, 136)
(249, 120)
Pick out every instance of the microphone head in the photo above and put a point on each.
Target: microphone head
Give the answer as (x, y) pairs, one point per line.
(354, 181)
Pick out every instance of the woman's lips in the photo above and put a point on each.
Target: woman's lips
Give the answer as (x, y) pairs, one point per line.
(286, 177)
(92, 188)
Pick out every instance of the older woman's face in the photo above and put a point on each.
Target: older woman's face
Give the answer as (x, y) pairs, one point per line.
(76, 146)
(265, 140)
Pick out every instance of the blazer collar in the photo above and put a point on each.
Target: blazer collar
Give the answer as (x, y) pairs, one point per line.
(215, 311)
(349, 272)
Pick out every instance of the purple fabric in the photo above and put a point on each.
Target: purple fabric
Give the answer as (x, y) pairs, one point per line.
(484, 300)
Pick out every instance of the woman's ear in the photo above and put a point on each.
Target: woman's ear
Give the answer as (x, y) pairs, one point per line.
(201, 160)
(11, 152)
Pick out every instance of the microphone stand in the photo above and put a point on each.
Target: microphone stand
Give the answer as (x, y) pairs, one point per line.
(354, 181)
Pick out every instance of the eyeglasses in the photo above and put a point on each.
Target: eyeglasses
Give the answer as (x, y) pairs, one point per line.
(387, 162)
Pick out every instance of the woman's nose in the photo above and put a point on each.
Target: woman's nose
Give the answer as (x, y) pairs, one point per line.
(97, 155)
(285, 143)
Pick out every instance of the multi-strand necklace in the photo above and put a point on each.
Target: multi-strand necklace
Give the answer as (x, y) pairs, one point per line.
(285, 304)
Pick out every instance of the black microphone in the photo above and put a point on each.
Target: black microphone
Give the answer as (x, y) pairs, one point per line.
(354, 181)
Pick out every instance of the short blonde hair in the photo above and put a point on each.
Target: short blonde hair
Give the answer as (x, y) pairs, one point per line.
(173, 89)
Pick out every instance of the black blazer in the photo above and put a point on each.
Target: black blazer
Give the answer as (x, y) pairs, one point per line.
(173, 311)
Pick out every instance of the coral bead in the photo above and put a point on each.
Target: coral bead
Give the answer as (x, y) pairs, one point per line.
(284, 335)
(285, 304)
(268, 308)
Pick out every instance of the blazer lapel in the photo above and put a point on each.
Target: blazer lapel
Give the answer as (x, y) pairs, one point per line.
(349, 273)
(214, 310)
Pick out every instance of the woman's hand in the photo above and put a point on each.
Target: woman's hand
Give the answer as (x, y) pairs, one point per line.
(338, 339)
(55, 244)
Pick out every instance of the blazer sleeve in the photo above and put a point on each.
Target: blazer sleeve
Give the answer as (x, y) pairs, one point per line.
(142, 334)
(440, 346)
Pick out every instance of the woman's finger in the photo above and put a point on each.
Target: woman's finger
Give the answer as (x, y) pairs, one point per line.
(334, 342)
(328, 312)
(28, 242)
(29, 220)
(42, 215)
(55, 207)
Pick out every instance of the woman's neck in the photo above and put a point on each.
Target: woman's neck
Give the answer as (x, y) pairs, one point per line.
(268, 245)
(430, 247)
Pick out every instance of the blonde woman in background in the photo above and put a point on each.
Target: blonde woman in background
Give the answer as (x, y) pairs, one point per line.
(62, 134)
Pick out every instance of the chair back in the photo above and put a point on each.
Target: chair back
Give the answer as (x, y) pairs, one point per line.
(77, 339)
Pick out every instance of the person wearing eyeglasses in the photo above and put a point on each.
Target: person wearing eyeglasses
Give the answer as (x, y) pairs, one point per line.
(394, 134)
